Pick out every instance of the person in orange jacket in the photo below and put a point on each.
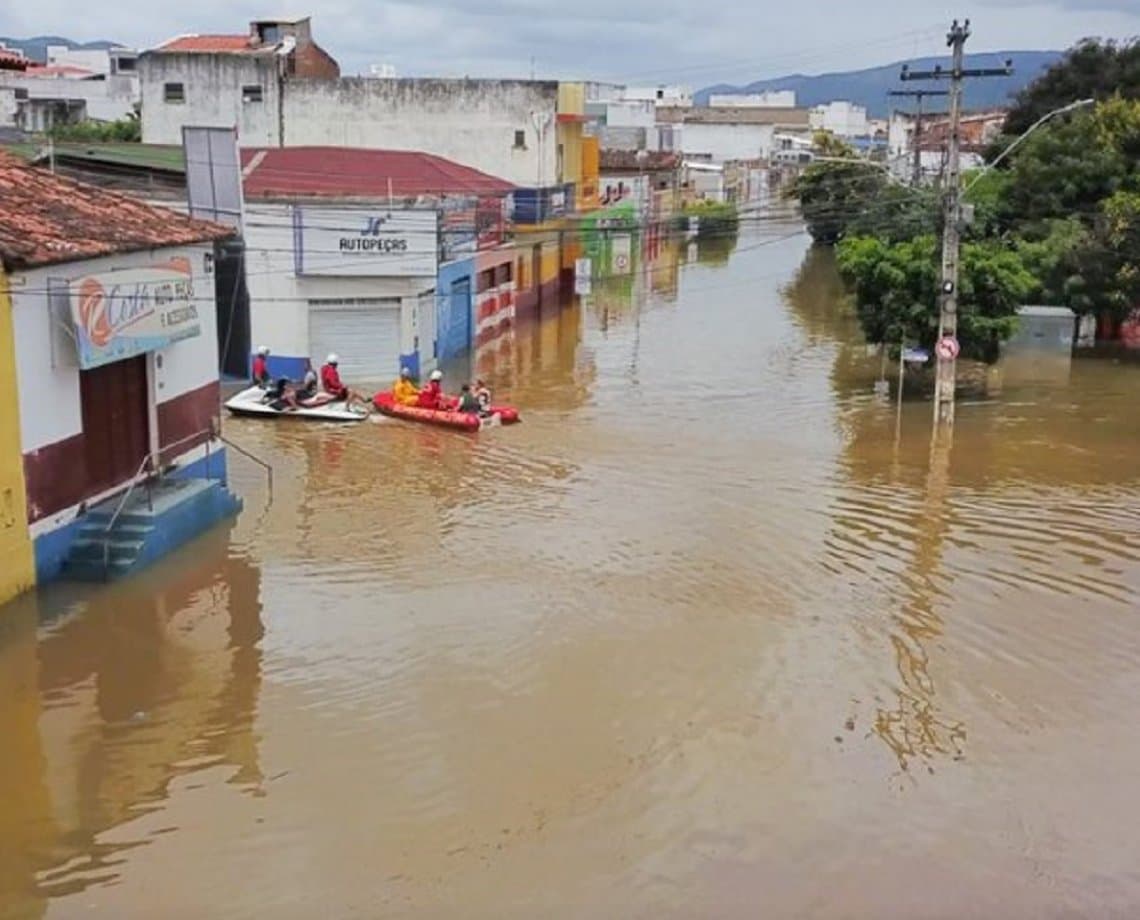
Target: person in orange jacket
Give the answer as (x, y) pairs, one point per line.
(404, 390)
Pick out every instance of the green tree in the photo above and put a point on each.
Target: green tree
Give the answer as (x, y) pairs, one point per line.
(1093, 69)
(832, 193)
(897, 290)
(124, 130)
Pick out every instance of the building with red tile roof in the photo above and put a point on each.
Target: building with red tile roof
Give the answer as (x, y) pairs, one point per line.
(114, 340)
(347, 173)
(46, 219)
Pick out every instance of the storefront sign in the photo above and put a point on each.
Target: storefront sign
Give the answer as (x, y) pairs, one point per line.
(120, 314)
(365, 243)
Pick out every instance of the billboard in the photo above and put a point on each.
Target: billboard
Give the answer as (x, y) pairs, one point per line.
(375, 242)
(120, 314)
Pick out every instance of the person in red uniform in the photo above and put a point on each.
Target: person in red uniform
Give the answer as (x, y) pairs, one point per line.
(431, 396)
(334, 386)
(261, 367)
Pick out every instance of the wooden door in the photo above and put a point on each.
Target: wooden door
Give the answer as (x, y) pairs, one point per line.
(115, 429)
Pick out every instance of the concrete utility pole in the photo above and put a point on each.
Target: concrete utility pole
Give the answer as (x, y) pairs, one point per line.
(946, 349)
(918, 95)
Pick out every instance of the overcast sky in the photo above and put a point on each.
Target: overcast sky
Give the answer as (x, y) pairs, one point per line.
(685, 41)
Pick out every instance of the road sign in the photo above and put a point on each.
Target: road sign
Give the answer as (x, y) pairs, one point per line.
(947, 348)
(915, 355)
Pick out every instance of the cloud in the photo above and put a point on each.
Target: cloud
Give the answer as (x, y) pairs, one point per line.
(635, 40)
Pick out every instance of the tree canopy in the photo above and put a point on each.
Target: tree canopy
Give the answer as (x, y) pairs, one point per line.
(1059, 225)
(1093, 69)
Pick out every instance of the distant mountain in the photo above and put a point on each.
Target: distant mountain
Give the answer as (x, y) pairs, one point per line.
(36, 48)
(870, 87)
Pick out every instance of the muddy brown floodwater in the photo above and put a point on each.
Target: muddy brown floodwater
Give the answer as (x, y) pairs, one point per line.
(706, 635)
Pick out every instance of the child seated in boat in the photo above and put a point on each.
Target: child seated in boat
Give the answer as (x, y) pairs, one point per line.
(404, 390)
(282, 396)
(467, 400)
(309, 386)
(483, 394)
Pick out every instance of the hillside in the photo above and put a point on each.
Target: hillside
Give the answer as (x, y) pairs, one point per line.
(36, 48)
(870, 87)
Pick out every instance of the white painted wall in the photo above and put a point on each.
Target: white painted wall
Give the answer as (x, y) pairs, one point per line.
(105, 100)
(728, 142)
(97, 61)
(49, 396)
(843, 119)
(659, 95)
(279, 298)
(469, 121)
(774, 99)
(212, 85)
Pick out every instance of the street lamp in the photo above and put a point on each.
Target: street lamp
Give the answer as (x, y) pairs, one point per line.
(1065, 109)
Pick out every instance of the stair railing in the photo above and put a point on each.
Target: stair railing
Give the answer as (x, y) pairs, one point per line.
(145, 475)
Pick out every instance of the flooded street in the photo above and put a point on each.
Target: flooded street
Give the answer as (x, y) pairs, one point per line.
(712, 633)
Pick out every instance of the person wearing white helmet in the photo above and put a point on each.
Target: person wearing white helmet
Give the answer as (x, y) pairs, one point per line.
(261, 367)
(334, 386)
(431, 396)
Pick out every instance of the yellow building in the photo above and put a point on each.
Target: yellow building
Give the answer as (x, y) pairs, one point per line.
(18, 573)
(577, 153)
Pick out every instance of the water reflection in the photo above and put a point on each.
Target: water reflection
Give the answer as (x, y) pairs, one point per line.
(109, 696)
(699, 634)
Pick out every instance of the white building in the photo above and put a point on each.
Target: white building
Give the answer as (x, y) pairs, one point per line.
(96, 85)
(342, 254)
(281, 89)
(771, 99)
(115, 340)
(662, 95)
(843, 119)
(732, 134)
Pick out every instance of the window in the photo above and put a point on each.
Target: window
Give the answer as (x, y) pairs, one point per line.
(269, 33)
(124, 65)
(660, 94)
(520, 140)
(173, 92)
(503, 274)
(485, 281)
(251, 93)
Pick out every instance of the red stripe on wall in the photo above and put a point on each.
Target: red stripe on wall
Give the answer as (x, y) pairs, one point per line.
(187, 420)
(56, 477)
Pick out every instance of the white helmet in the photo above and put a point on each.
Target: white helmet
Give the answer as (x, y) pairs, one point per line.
(437, 375)
(263, 350)
(332, 359)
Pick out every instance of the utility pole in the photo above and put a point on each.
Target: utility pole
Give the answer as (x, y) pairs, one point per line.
(946, 349)
(918, 95)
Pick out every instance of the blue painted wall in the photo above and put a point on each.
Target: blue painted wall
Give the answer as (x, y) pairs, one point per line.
(453, 319)
(51, 548)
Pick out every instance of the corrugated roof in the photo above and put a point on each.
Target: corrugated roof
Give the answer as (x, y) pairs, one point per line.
(166, 157)
(345, 172)
(210, 44)
(629, 161)
(46, 219)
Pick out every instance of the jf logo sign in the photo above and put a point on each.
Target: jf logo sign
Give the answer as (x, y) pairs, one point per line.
(357, 243)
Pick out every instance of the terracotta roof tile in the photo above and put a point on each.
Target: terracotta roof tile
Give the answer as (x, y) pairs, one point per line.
(208, 44)
(45, 219)
(344, 172)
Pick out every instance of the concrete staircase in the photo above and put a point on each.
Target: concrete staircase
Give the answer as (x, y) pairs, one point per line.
(146, 530)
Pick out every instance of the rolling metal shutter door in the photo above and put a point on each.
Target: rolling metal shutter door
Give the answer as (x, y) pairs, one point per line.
(364, 333)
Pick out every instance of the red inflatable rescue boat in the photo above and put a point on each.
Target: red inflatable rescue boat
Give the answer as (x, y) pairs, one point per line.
(386, 404)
